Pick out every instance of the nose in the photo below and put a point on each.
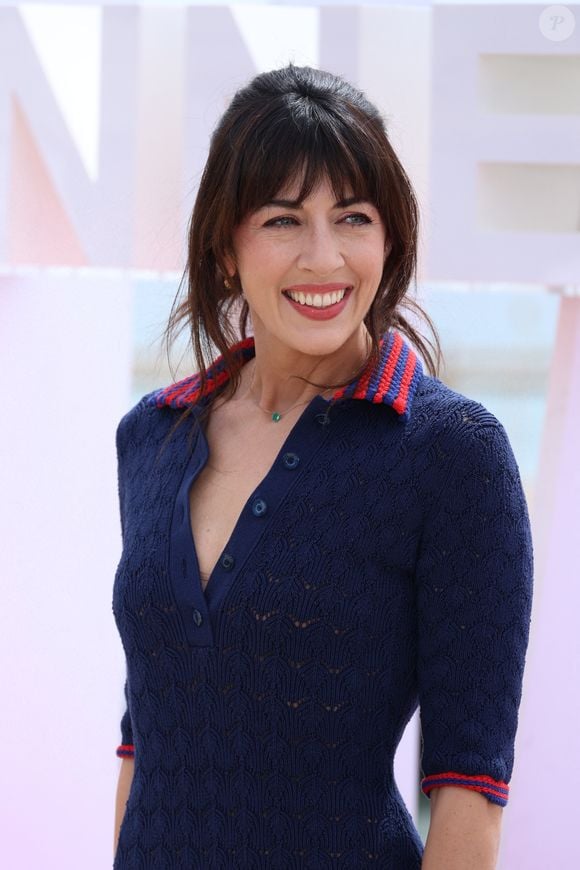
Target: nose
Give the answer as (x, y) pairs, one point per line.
(320, 250)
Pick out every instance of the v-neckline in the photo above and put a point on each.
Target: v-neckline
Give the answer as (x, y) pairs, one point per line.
(192, 478)
(199, 607)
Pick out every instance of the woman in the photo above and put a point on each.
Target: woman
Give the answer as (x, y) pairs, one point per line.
(318, 534)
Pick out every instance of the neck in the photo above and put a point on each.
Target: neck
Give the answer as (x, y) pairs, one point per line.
(270, 382)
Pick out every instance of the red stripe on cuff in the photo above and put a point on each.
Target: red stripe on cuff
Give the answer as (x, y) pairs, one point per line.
(494, 790)
(125, 750)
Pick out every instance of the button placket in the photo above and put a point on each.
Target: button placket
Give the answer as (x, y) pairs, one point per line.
(182, 559)
(196, 605)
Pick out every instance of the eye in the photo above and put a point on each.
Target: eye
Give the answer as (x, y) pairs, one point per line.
(360, 220)
(276, 221)
(365, 218)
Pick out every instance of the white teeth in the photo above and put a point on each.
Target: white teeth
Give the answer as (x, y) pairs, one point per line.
(317, 300)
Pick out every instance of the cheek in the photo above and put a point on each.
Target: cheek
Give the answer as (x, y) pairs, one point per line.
(369, 259)
(264, 259)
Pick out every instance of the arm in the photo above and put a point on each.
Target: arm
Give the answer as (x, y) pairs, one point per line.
(464, 831)
(123, 789)
(126, 752)
(474, 593)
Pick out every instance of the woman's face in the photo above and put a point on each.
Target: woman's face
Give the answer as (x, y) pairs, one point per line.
(306, 246)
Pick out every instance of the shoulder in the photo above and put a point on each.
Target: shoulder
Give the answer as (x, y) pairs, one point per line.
(437, 404)
(139, 420)
(454, 437)
(449, 417)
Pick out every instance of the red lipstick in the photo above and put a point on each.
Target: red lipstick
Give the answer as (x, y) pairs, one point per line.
(312, 311)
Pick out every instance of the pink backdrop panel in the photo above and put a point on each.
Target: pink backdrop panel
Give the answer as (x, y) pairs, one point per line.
(64, 379)
(541, 829)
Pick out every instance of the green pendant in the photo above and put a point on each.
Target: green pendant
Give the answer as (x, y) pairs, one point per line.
(276, 416)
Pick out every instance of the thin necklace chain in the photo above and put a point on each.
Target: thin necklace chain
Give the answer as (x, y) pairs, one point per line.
(276, 415)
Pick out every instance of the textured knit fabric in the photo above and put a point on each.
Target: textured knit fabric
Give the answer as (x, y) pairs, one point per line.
(384, 562)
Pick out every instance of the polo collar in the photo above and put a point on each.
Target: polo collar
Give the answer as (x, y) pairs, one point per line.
(392, 381)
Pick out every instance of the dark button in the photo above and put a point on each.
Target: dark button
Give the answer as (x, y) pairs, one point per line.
(291, 460)
(259, 507)
(323, 419)
(197, 617)
(228, 561)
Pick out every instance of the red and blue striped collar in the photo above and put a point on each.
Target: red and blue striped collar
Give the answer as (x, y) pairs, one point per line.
(392, 381)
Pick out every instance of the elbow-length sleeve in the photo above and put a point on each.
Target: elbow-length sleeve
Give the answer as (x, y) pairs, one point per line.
(474, 596)
(126, 748)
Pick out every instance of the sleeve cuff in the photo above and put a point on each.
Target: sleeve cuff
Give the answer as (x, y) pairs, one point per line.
(493, 789)
(126, 750)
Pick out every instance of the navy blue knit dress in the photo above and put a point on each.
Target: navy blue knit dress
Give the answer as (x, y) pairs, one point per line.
(384, 562)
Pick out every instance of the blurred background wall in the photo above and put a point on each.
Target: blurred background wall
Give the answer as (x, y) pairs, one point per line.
(105, 116)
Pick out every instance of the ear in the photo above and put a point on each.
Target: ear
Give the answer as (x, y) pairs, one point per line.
(230, 266)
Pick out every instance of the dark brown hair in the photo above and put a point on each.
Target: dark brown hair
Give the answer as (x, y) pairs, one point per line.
(294, 122)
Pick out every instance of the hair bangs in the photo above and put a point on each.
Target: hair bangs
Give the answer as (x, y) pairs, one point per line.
(306, 148)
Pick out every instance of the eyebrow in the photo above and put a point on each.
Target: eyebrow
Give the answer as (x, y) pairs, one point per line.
(294, 203)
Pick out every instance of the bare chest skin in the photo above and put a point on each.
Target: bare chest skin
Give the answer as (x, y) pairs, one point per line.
(243, 445)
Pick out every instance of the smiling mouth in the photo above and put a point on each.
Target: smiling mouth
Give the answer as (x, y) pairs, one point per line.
(317, 300)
